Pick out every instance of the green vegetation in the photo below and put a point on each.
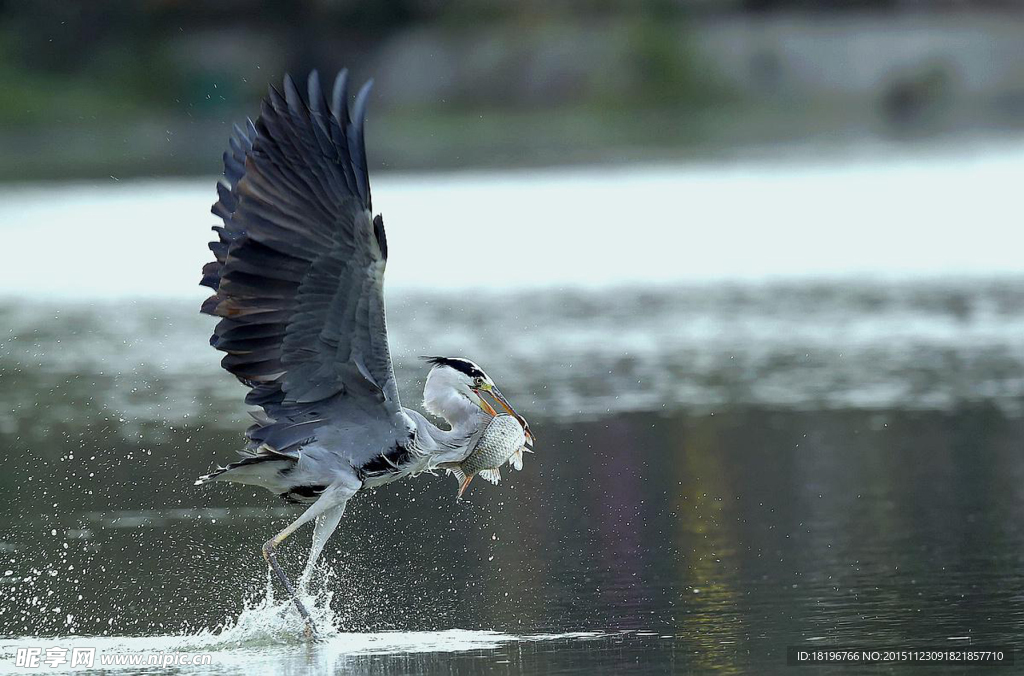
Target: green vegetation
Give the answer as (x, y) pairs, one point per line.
(107, 88)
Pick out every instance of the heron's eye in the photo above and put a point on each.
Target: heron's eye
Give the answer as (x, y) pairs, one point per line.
(478, 381)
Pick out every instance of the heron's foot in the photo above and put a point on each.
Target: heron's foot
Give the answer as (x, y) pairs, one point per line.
(270, 554)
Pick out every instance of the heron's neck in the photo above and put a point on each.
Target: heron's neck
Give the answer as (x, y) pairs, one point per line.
(463, 415)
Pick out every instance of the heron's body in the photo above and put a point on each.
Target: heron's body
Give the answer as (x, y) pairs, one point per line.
(341, 441)
(298, 284)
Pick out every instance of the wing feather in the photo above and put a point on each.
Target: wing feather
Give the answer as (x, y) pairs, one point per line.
(299, 263)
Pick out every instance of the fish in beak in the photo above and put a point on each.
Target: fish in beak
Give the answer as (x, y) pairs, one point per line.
(503, 402)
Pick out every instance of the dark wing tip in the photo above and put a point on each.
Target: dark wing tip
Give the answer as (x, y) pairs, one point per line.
(315, 94)
(361, 97)
(292, 96)
(357, 144)
(339, 97)
(382, 239)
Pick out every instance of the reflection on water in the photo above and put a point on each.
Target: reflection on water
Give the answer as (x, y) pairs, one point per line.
(724, 471)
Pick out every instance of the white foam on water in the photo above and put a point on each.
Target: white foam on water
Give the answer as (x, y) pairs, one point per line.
(280, 658)
(250, 650)
(268, 637)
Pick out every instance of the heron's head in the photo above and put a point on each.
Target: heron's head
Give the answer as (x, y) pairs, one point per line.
(463, 378)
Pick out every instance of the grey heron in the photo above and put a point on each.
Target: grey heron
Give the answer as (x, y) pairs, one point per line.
(298, 287)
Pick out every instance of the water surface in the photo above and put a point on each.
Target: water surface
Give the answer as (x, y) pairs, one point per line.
(726, 467)
(790, 465)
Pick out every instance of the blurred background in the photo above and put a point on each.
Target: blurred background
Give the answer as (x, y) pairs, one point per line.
(751, 268)
(147, 88)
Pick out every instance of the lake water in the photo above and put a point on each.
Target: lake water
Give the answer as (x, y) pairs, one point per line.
(731, 460)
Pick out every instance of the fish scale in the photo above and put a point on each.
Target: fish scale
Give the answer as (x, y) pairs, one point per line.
(502, 441)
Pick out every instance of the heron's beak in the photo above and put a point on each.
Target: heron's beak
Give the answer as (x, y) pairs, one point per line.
(500, 398)
(488, 409)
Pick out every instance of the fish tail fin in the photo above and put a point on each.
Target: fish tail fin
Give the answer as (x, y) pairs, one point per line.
(492, 475)
(460, 476)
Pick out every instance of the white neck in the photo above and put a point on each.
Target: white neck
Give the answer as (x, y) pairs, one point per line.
(440, 398)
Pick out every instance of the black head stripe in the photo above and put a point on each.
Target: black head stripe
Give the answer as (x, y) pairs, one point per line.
(461, 365)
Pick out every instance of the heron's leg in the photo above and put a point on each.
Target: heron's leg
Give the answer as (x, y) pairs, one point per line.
(322, 530)
(337, 494)
(270, 554)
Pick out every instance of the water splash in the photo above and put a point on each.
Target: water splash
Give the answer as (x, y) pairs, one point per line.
(269, 631)
(271, 619)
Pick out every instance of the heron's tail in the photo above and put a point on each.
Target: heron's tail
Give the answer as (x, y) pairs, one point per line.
(212, 476)
(256, 470)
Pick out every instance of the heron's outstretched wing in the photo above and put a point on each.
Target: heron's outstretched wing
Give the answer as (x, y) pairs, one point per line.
(299, 269)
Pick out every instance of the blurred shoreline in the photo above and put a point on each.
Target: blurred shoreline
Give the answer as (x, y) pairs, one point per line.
(536, 89)
(141, 150)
